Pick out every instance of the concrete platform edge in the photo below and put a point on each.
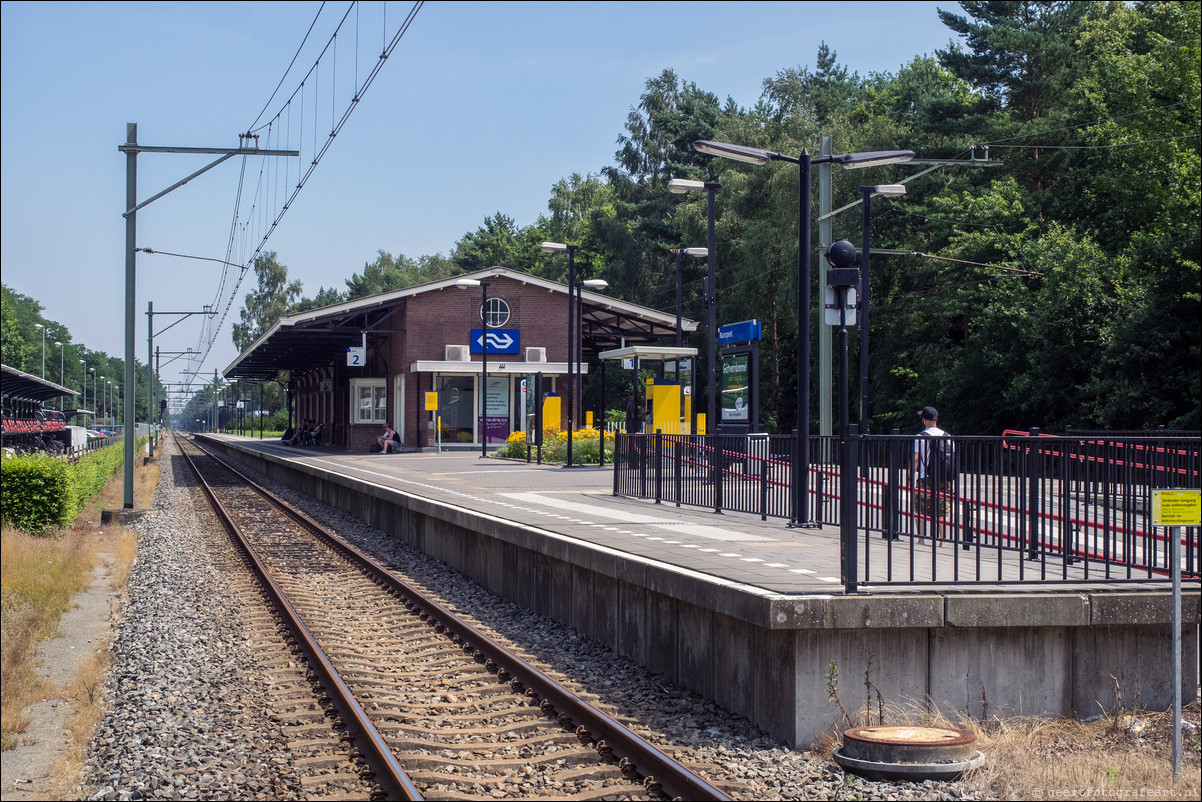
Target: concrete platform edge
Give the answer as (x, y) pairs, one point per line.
(768, 655)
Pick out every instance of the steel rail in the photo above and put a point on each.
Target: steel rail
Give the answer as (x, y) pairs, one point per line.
(389, 774)
(659, 771)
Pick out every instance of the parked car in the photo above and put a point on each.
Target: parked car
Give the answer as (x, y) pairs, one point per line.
(92, 433)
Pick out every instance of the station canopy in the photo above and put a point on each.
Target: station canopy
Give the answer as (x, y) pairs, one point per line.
(313, 340)
(649, 353)
(22, 386)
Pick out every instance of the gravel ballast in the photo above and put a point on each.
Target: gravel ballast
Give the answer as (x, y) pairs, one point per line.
(187, 716)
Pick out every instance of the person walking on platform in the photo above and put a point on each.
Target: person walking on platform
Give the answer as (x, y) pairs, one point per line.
(634, 414)
(634, 425)
(932, 473)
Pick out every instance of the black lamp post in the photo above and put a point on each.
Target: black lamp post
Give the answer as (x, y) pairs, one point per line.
(43, 329)
(680, 254)
(552, 247)
(84, 403)
(801, 470)
(865, 218)
(844, 280)
(679, 186)
(464, 283)
(592, 284)
(61, 376)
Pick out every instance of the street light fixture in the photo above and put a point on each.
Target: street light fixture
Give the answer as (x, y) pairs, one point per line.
(85, 386)
(463, 284)
(741, 153)
(553, 247)
(592, 284)
(892, 190)
(680, 254)
(679, 186)
(61, 378)
(43, 328)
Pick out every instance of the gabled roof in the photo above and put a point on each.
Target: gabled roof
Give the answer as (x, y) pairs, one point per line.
(317, 338)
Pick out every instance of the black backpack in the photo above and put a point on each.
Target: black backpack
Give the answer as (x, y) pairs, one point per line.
(941, 458)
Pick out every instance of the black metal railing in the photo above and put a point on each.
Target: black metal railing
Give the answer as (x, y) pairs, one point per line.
(1023, 507)
(721, 472)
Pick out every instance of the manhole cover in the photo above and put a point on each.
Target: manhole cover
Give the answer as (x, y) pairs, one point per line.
(908, 752)
(908, 744)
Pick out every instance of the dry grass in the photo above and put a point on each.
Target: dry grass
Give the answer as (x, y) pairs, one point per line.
(86, 693)
(40, 575)
(1122, 756)
(1127, 755)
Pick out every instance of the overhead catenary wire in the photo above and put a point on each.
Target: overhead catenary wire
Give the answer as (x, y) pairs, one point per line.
(249, 244)
(1109, 146)
(1075, 126)
(284, 77)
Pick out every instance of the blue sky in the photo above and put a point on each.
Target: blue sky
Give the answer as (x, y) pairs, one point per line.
(481, 108)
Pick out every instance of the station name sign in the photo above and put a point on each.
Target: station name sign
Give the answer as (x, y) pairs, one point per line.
(742, 332)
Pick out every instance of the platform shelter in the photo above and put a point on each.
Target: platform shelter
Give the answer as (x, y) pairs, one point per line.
(355, 366)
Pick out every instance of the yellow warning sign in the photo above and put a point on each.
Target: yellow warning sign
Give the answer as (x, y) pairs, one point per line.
(1176, 508)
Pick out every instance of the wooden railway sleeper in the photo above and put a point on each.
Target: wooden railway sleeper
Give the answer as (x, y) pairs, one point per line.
(653, 759)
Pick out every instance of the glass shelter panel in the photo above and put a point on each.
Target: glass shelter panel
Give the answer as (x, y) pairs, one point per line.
(456, 408)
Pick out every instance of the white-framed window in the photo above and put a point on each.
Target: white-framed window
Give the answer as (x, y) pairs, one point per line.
(497, 312)
(369, 400)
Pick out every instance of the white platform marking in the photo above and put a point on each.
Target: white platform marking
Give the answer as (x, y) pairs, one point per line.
(594, 512)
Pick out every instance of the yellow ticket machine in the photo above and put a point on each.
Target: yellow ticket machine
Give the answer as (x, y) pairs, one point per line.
(665, 408)
(551, 412)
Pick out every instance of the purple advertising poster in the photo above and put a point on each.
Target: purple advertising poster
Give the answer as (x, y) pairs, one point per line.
(497, 409)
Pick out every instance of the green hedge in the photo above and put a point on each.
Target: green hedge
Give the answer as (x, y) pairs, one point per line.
(39, 492)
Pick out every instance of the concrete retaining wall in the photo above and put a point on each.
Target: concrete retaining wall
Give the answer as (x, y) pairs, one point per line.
(767, 656)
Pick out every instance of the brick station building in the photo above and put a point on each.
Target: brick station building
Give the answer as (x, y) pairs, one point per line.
(355, 366)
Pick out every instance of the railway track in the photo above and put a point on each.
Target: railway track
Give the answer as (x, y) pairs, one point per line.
(436, 709)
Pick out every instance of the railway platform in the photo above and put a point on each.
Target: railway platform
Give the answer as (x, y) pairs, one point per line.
(751, 613)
